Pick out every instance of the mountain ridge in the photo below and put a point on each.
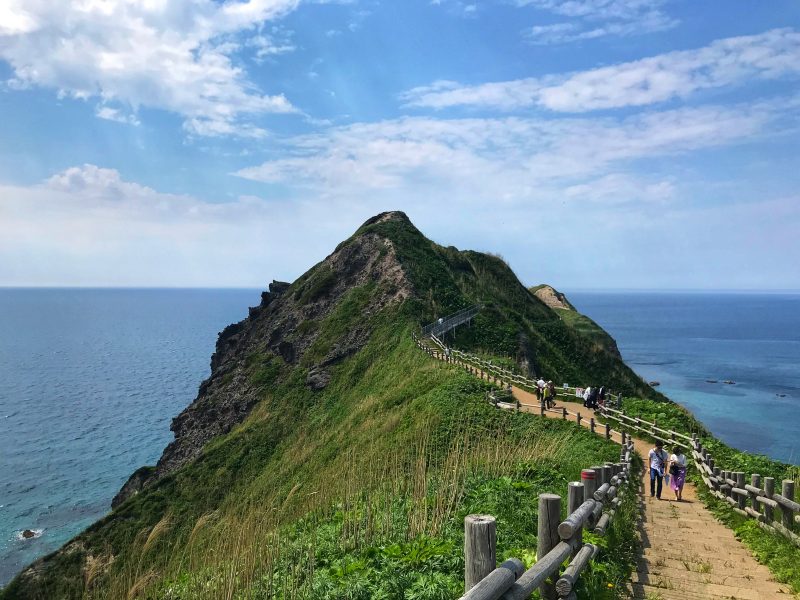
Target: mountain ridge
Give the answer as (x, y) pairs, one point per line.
(322, 372)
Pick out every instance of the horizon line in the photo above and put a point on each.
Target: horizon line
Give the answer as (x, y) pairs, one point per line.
(254, 288)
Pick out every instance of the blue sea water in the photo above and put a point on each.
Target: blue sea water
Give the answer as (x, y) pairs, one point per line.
(683, 340)
(89, 381)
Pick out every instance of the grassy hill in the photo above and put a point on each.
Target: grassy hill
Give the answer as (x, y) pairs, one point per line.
(327, 457)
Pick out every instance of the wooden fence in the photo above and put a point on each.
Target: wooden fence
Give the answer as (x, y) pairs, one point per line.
(503, 377)
(489, 371)
(757, 499)
(776, 512)
(591, 504)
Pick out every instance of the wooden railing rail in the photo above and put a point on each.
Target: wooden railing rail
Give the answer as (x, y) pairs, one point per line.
(757, 500)
(591, 505)
(502, 378)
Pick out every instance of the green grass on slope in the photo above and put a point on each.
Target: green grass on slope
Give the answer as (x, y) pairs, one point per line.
(357, 492)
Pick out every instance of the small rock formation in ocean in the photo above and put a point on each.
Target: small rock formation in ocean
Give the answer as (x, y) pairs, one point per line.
(654, 383)
(28, 534)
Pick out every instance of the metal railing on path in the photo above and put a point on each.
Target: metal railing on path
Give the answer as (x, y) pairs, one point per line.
(441, 326)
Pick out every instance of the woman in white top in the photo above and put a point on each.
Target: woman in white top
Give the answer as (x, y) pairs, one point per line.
(677, 472)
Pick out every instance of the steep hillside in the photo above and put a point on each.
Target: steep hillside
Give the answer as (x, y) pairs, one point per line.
(326, 457)
(582, 324)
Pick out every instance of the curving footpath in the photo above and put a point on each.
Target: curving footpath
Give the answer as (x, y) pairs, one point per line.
(686, 553)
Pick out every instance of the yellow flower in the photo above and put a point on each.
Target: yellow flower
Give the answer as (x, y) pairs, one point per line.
(611, 585)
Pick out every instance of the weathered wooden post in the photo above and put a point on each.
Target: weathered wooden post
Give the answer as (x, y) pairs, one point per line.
(607, 473)
(564, 413)
(755, 481)
(574, 500)
(598, 476)
(769, 489)
(578, 419)
(589, 481)
(608, 431)
(591, 424)
(547, 536)
(480, 547)
(787, 491)
(742, 500)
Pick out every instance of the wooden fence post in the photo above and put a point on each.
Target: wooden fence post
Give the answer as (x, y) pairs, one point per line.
(480, 547)
(742, 500)
(578, 419)
(574, 500)
(769, 488)
(787, 491)
(755, 481)
(588, 479)
(547, 536)
(591, 424)
(598, 476)
(608, 431)
(564, 413)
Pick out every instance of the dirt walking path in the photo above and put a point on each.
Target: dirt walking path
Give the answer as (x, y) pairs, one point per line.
(686, 553)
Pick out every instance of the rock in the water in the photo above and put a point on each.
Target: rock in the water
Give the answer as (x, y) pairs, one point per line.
(28, 534)
(317, 379)
(654, 383)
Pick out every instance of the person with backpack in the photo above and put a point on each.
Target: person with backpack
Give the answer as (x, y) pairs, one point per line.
(677, 472)
(587, 393)
(551, 386)
(593, 398)
(658, 464)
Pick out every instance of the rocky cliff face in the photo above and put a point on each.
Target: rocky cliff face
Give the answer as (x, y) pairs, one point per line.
(280, 332)
(552, 297)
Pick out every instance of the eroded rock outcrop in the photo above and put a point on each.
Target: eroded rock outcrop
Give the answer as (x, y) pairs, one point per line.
(281, 331)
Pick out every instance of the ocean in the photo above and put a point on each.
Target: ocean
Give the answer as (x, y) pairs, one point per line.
(692, 342)
(90, 380)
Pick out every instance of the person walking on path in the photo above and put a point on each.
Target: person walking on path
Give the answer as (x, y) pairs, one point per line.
(658, 462)
(677, 472)
(587, 393)
(552, 398)
(546, 396)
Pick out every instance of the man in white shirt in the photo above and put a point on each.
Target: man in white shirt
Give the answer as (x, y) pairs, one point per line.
(658, 462)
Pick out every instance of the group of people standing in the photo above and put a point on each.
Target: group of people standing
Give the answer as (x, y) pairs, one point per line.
(594, 397)
(672, 466)
(546, 393)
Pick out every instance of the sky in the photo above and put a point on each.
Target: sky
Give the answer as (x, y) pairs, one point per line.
(224, 143)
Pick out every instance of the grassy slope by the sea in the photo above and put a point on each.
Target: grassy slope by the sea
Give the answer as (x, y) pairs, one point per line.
(359, 490)
(775, 551)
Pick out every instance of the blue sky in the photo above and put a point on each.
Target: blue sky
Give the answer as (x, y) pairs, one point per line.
(592, 143)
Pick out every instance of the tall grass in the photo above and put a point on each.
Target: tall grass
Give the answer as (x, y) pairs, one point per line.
(375, 498)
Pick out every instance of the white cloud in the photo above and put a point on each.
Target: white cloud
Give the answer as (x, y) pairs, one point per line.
(598, 18)
(165, 54)
(510, 158)
(88, 226)
(725, 62)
